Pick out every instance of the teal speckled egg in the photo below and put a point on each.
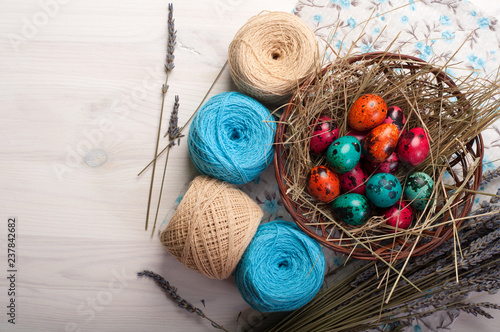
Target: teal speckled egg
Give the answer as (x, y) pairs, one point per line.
(353, 209)
(418, 189)
(383, 190)
(343, 154)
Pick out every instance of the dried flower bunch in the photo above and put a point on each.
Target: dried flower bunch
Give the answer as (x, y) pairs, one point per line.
(444, 278)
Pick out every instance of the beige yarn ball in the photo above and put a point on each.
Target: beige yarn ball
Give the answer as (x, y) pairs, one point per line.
(271, 55)
(212, 227)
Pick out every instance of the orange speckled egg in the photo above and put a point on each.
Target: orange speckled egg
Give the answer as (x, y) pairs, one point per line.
(323, 184)
(367, 112)
(380, 143)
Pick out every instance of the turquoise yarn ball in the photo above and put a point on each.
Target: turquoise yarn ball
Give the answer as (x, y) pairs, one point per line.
(282, 268)
(230, 138)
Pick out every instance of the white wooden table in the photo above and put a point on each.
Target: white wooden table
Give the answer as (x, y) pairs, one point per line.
(81, 76)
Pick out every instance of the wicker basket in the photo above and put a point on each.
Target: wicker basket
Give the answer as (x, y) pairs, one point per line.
(331, 237)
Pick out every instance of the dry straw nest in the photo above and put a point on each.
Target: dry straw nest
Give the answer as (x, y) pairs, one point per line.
(453, 112)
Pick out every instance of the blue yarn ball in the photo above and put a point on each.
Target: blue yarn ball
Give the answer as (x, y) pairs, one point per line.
(282, 268)
(230, 138)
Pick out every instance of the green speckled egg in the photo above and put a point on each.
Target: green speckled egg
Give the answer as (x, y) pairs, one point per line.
(418, 189)
(383, 190)
(344, 154)
(353, 209)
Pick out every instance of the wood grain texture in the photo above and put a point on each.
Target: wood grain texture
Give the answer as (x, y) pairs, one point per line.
(76, 76)
(88, 76)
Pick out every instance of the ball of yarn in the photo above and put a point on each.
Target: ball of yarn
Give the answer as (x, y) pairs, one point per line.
(282, 268)
(271, 55)
(211, 228)
(230, 139)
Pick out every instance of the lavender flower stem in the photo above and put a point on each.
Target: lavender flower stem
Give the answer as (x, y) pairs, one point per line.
(168, 66)
(172, 293)
(171, 129)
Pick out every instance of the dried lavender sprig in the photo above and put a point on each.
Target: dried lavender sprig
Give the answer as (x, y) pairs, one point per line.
(442, 250)
(490, 175)
(458, 306)
(492, 224)
(172, 293)
(439, 265)
(365, 275)
(491, 251)
(471, 308)
(495, 199)
(172, 35)
(480, 279)
(478, 225)
(480, 250)
(174, 130)
(488, 305)
(168, 67)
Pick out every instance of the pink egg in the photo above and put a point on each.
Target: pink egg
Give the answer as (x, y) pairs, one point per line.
(395, 116)
(325, 132)
(358, 134)
(413, 147)
(399, 215)
(390, 165)
(354, 181)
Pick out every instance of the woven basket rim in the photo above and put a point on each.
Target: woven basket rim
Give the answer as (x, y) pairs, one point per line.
(475, 147)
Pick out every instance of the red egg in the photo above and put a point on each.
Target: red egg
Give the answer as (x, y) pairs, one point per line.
(390, 165)
(360, 135)
(396, 116)
(323, 184)
(367, 112)
(380, 143)
(413, 146)
(325, 132)
(354, 181)
(399, 215)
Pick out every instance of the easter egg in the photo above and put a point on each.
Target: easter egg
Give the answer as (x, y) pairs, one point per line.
(325, 132)
(360, 135)
(413, 146)
(354, 181)
(380, 143)
(395, 116)
(383, 190)
(353, 209)
(323, 184)
(399, 215)
(344, 154)
(390, 165)
(367, 112)
(418, 189)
